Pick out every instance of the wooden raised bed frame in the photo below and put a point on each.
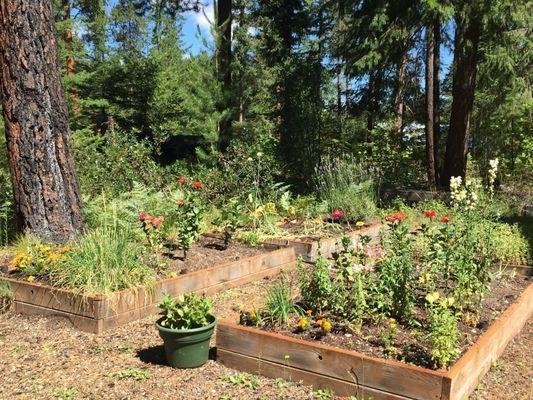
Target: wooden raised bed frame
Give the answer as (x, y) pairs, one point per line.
(97, 313)
(349, 373)
(308, 248)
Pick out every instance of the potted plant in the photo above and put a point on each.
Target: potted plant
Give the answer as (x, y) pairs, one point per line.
(186, 326)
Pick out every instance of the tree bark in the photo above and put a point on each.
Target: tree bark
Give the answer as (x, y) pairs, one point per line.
(436, 98)
(430, 109)
(223, 69)
(464, 79)
(339, 86)
(399, 103)
(45, 184)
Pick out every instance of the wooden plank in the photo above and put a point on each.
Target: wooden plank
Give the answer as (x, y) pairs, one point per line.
(142, 312)
(523, 270)
(82, 323)
(289, 373)
(384, 375)
(468, 371)
(49, 297)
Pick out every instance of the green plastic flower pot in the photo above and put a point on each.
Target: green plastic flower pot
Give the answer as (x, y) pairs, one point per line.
(187, 348)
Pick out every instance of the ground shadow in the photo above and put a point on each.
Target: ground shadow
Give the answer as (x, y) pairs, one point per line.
(155, 355)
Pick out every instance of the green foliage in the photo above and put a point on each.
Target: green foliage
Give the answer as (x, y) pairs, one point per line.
(103, 261)
(243, 379)
(135, 374)
(231, 218)
(316, 286)
(443, 332)
(279, 304)
(396, 274)
(188, 222)
(188, 311)
(345, 184)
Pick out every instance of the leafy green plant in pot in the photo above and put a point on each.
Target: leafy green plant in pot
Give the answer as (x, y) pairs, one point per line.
(186, 326)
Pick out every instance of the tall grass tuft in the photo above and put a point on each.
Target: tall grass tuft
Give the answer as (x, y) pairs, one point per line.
(103, 261)
(344, 183)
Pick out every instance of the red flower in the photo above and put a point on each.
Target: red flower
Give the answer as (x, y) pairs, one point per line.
(337, 214)
(399, 216)
(430, 214)
(158, 221)
(445, 219)
(182, 180)
(143, 216)
(198, 184)
(180, 201)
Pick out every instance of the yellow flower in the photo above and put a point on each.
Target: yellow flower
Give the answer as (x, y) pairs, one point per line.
(31, 278)
(432, 297)
(303, 323)
(64, 249)
(270, 208)
(309, 312)
(392, 323)
(326, 325)
(359, 223)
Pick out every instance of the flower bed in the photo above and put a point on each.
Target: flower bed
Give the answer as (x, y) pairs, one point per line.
(349, 373)
(310, 247)
(99, 312)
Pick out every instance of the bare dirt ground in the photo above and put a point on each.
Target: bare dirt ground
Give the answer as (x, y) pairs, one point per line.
(45, 358)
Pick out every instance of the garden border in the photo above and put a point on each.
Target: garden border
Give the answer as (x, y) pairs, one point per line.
(349, 373)
(101, 312)
(308, 248)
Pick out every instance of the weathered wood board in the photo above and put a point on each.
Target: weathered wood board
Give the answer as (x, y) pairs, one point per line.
(349, 373)
(97, 313)
(309, 249)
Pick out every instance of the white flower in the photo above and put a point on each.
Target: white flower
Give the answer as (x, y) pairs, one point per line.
(259, 154)
(250, 159)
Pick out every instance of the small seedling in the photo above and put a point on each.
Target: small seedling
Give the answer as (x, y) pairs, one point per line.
(323, 394)
(280, 383)
(97, 350)
(134, 373)
(125, 348)
(64, 393)
(244, 380)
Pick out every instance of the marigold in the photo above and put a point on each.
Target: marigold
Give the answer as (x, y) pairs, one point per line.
(445, 219)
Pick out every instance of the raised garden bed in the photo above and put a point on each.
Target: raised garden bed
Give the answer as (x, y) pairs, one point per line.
(349, 373)
(100, 312)
(309, 247)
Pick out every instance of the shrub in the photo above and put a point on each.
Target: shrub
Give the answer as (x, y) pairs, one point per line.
(316, 286)
(188, 311)
(103, 261)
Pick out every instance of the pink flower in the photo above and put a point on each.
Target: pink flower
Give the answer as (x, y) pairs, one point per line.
(337, 214)
(143, 216)
(156, 222)
(399, 216)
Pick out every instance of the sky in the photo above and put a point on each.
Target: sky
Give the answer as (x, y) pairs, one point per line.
(192, 22)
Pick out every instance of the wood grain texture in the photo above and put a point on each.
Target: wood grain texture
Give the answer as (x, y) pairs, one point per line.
(277, 356)
(96, 313)
(291, 374)
(468, 371)
(308, 249)
(348, 366)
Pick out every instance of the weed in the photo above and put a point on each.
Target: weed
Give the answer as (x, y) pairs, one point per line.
(323, 394)
(134, 373)
(64, 393)
(243, 380)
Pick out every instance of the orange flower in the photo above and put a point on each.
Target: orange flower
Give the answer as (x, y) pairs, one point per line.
(180, 202)
(198, 184)
(445, 219)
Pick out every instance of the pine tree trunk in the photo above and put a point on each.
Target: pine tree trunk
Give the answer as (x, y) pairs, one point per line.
(464, 80)
(430, 109)
(399, 103)
(224, 71)
(436, 98)
(339, 87)
(45, 185)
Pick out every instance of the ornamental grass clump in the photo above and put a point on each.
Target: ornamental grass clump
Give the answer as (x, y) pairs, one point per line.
(103, 261)
(347, 188)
